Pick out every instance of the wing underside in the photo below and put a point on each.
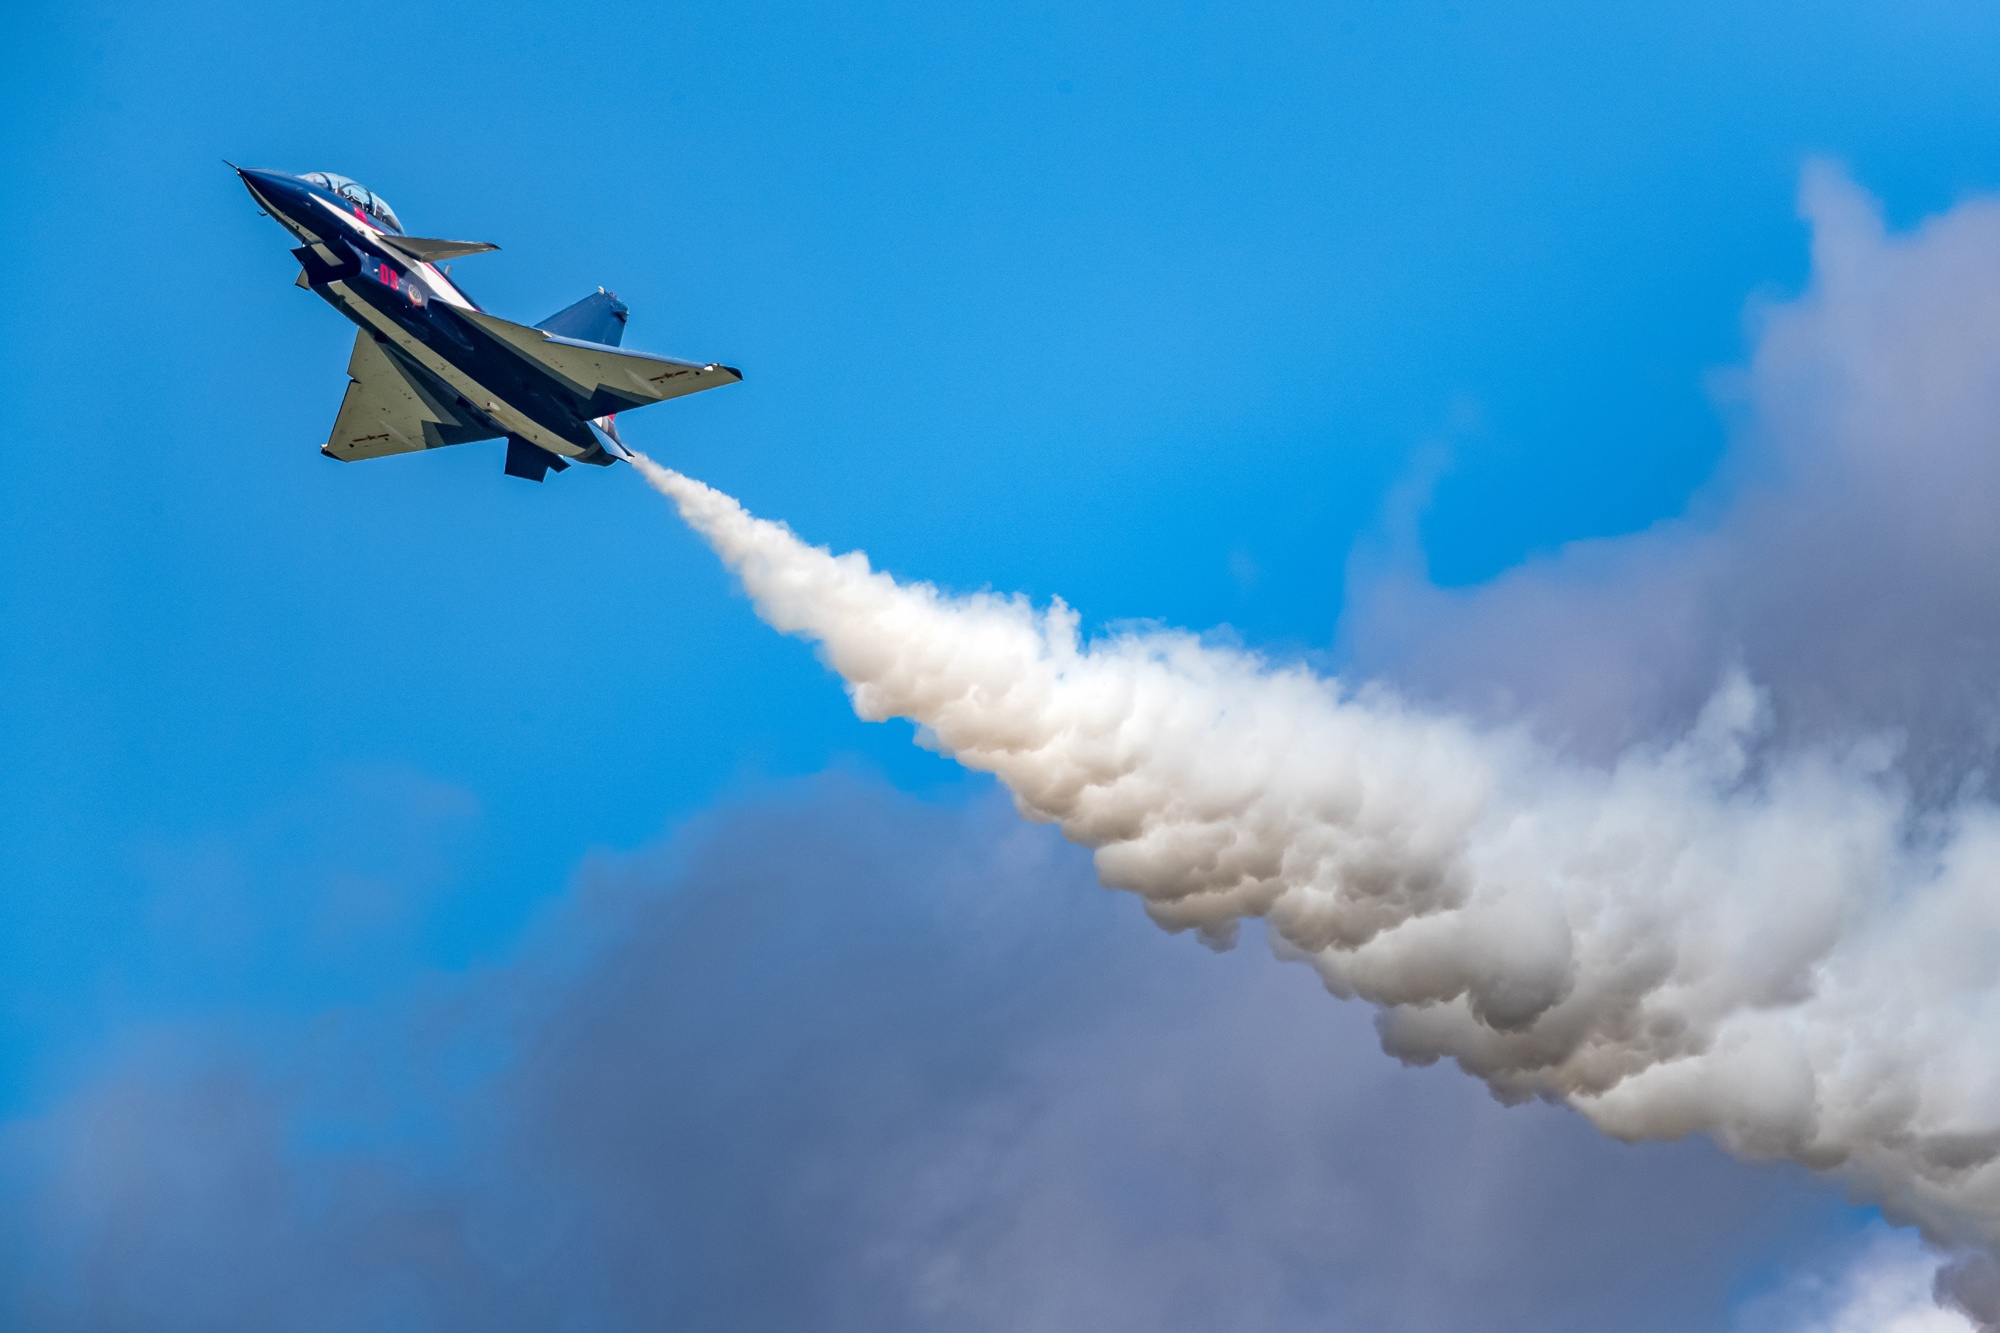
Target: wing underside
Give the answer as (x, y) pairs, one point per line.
(605, 379)
(394, 407)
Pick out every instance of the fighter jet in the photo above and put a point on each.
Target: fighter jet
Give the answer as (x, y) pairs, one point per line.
(430, 368)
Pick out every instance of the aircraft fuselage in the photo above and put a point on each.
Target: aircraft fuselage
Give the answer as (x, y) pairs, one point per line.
(454, 373)
(415, 306)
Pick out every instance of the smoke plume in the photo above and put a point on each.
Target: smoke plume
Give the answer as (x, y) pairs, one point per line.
(1748, 918)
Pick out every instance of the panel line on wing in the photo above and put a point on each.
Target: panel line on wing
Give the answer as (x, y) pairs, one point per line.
(393, 407)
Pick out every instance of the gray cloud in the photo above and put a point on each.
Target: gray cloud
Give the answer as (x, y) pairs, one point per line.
(1848, 557)
(842, 1060)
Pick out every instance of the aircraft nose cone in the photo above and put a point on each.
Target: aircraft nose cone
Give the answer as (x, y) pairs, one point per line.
(269, 187)
(286, 198)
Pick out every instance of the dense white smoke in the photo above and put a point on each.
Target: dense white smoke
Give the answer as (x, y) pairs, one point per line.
(1762, 936)
(1677, 944)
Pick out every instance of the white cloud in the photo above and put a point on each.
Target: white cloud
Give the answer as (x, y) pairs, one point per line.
(1886, 1288)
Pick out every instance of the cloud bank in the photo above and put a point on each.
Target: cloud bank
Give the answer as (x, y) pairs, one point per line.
(1847, 558)
(840, 1060)
(1735, 904)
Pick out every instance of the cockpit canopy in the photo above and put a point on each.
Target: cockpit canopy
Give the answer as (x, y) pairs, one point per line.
(356, 192)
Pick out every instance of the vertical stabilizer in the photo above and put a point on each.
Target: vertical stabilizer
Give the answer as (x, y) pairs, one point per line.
(597, 318)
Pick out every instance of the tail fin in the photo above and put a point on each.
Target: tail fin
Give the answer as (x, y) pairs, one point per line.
(597, 318)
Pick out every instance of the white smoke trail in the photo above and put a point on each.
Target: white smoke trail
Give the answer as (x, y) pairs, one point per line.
(1778, 951)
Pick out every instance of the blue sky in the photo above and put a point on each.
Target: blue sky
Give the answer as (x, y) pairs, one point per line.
(1150, 307)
